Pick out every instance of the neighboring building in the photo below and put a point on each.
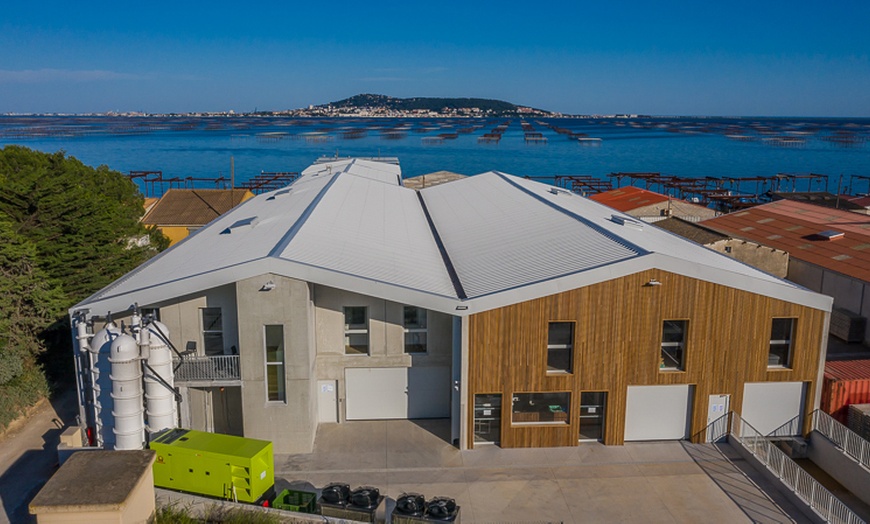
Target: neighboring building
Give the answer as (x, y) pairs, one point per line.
(765, 258)
(527, 315)
(179, 212)
(829, 251)
(822, 198)
(431, 179)
(650, 206)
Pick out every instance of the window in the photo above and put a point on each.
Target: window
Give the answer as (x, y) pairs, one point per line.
(540, 408)
(150, 312)
(356, 330)
(560, 347)
(781, 332)
(212, 330)
(415, 329)
(274, 342)
(673, 345)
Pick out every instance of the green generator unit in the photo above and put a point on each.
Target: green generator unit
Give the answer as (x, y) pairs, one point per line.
(223, 466)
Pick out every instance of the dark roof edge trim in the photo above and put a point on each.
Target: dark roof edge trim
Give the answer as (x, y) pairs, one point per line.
(600, 230)
(291, 233)
(448, 264)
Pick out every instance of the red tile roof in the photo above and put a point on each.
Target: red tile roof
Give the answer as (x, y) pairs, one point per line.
(795, 227)
(194, 207)
(628, 198)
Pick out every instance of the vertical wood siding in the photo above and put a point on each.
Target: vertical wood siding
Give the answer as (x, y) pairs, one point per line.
(617, 343)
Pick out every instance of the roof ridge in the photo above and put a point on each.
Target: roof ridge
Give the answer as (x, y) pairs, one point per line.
(291, 233)
(588, 223)
(448, 263)
(204, 201)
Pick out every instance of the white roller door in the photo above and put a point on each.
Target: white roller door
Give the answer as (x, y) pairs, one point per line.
(768, 406)
(658, 412)
(397, 393)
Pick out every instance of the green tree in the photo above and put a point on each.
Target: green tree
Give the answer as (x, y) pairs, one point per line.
(28, 303)
(66, 231)
(83, 221)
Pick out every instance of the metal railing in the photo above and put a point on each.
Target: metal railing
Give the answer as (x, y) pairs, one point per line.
(808, 489)
(207, 368)
(844, 438)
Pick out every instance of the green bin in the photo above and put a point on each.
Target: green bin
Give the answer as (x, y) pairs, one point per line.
(299, 501)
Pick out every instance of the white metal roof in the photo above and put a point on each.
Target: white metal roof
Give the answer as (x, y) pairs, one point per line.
(482, 242)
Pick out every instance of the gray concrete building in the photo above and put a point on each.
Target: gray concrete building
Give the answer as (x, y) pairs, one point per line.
(346, 296)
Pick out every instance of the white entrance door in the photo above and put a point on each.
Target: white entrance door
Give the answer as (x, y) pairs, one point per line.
(658, 412)
(327, 403)
(774, 407)
(717, 417)
(397, 393)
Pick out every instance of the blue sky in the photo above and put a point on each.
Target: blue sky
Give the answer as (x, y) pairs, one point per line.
(796, 58)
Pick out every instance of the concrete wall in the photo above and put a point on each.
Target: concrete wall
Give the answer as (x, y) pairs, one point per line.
(848, 293)
(840, 466)
(767, 259)
(386, 337)
(184, 321)
(291, 424)
(676, 208)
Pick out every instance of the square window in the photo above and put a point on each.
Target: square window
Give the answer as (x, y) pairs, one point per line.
(781, 333)
(415, 329)
(212, 330)
(540, 408)
(673, 346)
(274, 349)
(560, 347)
(356, 330)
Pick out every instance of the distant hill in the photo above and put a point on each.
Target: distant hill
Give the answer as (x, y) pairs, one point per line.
(384, 102)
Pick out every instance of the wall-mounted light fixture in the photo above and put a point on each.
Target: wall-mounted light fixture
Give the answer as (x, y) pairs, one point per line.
(652, 282)
(268, 286)
(461, 308)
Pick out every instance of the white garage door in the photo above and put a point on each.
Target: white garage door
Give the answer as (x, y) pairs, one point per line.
(768, 406)
(658, 412)
(397, 393)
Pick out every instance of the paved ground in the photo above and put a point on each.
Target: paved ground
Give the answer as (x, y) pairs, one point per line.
(640, 482)
(28, 455)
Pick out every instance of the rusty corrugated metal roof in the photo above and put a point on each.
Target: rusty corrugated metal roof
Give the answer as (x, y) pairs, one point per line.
(627, 198)
(848, 369)
(795, 227)
(194, 207)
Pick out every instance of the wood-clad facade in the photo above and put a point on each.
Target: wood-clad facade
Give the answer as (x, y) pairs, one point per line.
(617, 341)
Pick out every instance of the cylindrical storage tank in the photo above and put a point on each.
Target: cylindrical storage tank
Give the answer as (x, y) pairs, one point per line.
(129, 425)
(101, 382)
(846, 382)
(160, 406)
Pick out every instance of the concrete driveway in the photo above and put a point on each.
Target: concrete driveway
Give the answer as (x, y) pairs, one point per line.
(639, 482)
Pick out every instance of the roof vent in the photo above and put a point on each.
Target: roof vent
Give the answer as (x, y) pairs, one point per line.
(279, 193)
(245, 223)
(559, 191)
(830, 234)
(627, 222)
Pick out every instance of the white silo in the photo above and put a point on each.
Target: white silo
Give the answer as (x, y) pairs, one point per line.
(99, 351)
(129, 423)
(160, 406)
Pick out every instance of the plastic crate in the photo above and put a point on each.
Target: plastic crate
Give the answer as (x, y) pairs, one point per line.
(299, 501)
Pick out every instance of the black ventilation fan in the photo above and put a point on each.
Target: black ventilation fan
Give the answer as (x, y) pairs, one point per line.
(335, 493)
(412, 504)
(443, 508)
(365, 497)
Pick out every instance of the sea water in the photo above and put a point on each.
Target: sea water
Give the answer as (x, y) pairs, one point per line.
(203, 147)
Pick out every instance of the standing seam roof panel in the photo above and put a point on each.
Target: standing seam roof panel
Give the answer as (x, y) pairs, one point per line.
(498, 237)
